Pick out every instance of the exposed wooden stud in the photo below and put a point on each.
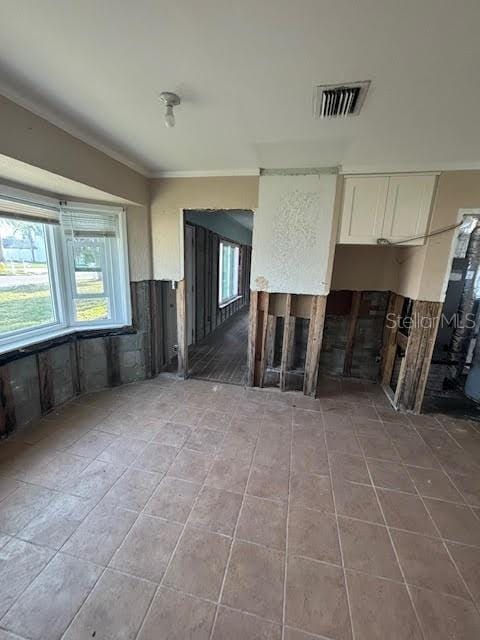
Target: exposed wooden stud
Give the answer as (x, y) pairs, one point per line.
(7, 407)
(389, 349)
(288, 327)
(252, 338)
(271, 335)
(418, 355)
(45, 381)
(260, 350)
(352, 332)
(314, 345)
(182, 345)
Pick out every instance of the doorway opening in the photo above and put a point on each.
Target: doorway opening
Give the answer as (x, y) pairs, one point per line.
(218, 249)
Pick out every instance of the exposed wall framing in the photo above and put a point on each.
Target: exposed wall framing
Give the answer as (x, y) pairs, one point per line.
(408, 341)
(272, 313)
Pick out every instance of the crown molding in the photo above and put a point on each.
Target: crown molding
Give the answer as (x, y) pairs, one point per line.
(206, 174)
(422, 168)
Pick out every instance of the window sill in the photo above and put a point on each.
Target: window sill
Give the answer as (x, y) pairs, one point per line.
(37, 344)
(227, 302)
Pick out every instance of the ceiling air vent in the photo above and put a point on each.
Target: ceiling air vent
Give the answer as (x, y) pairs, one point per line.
(339, 100)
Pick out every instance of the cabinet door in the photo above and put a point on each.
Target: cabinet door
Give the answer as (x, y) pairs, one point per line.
(364, 201)
(408, 207)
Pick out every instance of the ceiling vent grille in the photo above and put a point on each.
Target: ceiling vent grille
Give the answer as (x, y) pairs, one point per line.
(339, 100)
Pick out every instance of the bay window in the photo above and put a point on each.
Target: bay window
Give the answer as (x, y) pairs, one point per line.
(62, 266)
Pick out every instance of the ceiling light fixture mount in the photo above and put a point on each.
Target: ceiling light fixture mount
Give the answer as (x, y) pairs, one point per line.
(170, 100)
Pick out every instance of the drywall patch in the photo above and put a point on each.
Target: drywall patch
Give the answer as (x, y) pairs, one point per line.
(292, 233)
(261, 284)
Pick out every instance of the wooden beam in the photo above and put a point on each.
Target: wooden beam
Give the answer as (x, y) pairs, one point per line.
(418, 355)
(314, 345)
(252, 338)
(288, 327)
(352, 332)
(260, 348)
(7, 406)
(45, 381)
(389, 348)
(271, 335)
(182, 345)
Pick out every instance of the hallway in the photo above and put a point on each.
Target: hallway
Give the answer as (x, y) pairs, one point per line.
(222, 356)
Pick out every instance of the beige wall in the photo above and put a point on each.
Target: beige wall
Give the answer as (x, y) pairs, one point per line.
(32, 140)
(365, 268)
(169, 196)
(424, 274)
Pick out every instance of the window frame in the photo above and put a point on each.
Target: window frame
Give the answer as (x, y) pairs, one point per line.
(59, 270)
(224, 302)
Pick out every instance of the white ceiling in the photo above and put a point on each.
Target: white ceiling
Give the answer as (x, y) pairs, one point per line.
(245, 72)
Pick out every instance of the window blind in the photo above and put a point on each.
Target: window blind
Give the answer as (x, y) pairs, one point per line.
(88, 223)
(12, 206)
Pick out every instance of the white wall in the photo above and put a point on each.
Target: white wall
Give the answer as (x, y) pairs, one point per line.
(292, 235)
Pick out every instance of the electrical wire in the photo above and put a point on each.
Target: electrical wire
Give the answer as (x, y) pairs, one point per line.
(384, 241)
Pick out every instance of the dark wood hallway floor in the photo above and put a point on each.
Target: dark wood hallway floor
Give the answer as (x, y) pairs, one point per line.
(222, 356)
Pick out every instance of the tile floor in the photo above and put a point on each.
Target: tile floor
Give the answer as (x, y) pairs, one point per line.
(176, 510)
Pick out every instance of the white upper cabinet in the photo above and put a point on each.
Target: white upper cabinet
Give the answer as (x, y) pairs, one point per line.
(392, 207)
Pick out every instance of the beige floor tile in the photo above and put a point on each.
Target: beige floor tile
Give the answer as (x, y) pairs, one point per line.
(468, 486)
(49, 604)
(114, 609)
(133, 489)
(367, 548)
(379, 447)
(264, 522)
(350, 468)
(146, 550)
(100, 534)
(122, 451)
(356, 501)
(173, 434)
(191, 465)
(467, 560)
(206, 440)
(433, 483)
(8, 486)
(390, 475)
(266, 482)
(156, 457)
(416, 453)
(455, 521)
(176, 616)
(57, 521)
(20, 563)
(21, 506)
(309, 459)
(307, 418)
(317, 599)
(405, 511)
(95, 480)
(381, 609)
(444, 617)
(91, 444)
(235, 625)
(313, 534)
(173, 499)
(254, 581)
(343, 442)
(4, 539)
(426, 564)
(295, 634)
(229, 475)
(188, 414)
(217, 420)
(198, 564)
(308, 436)
(59, 473)
(216, 510)
(311, 491)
